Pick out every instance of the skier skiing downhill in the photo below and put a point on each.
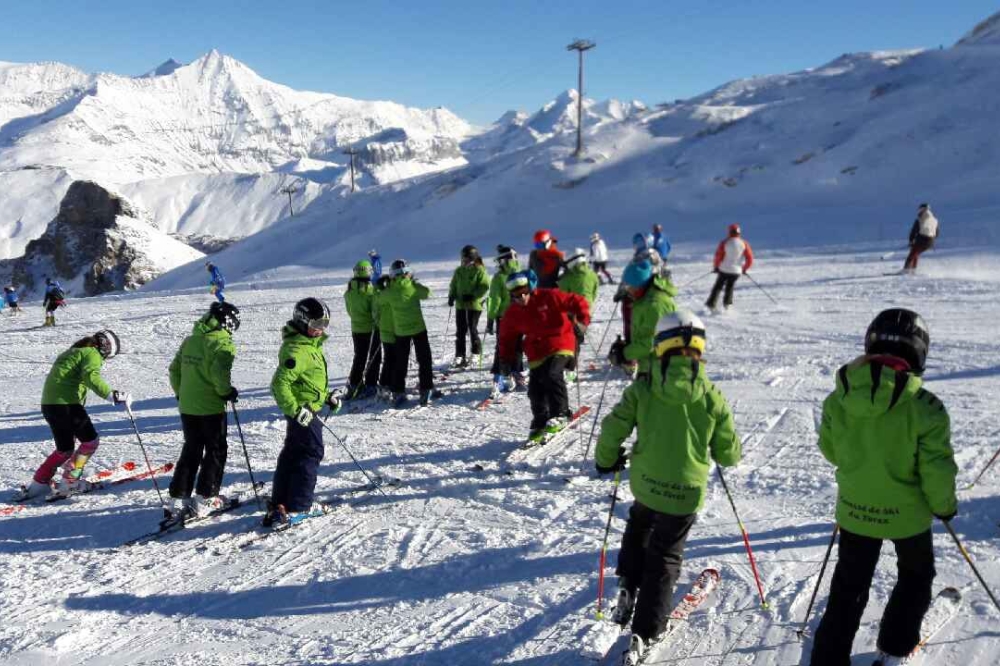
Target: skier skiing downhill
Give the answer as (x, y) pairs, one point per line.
(216, 283)
(376, 261)
(581, 280)
(55, 298)
(63, 398)
(404, 295)
(359, 299)
(683, 423)
(923, 233)
(10, 297)
(496, 305)
(733, 258)
(660, 242)
(545, 319)
(201, 378)
(889, 439)
(545, 259)
(469, 285)
(300, 388)
(651, 296)
(599, 258)
(387, 333)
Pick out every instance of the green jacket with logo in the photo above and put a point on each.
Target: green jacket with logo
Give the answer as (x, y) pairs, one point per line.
(499, 299)
(646, 312)
(386, 326)
(582, 280)
(360, 301)
(684, 424)
(890, 441)
(469, 281)
(76, 370)
(301, 377)
(404, 295)
(201, 372)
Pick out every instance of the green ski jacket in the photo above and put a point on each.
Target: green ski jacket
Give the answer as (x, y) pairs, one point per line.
(404, 296)
(75, 370)
(469, 281)
(646, 312)
(301, 378)
(201, 372)
(582, 280)
(499, 299)
(360, 302)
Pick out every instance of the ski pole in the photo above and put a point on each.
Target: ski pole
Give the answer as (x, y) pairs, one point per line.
(691, 282)
(980, 475)
(447, 325)
(378, 486)
(965, 554)
(822, 570)
(761, 288)
(604, 546)
(607, 328)
(246, 455)
(372, 351)
(597, 414)
(746, 539)
(149, 466)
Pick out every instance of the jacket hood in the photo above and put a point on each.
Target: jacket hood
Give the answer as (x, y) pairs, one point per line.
(664, 285)
(867, 388)
(289, 333)
(512, 267)
(206, 324)
(685, 380)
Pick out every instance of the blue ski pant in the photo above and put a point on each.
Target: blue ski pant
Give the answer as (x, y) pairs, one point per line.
(298, 463)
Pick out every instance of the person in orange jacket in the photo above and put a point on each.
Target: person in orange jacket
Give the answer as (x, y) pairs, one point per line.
(733, 258)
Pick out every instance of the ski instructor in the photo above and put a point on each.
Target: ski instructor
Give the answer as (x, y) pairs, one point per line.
(923, 233)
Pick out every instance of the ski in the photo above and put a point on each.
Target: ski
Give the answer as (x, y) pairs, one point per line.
(101, 484)
(943, 608)
(19, 500)
(168, 526)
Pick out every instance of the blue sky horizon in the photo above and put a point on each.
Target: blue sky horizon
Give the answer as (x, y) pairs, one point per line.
(481, 61)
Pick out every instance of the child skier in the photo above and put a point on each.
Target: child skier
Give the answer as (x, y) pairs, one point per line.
(10, 297)
(404, 295)
(216, 283)
(889, 439)
(63, 398)
(496, 305)
(599, 258)
(683, 423)
(546, 259)
(581, 280)
(201, 378)
(388, 335)
(733, 258)
(545, 319)
(55, 298)
(469, 284)
(376, 261)
(651, 296)
(923, 233)
(359, 299)
(299, 386)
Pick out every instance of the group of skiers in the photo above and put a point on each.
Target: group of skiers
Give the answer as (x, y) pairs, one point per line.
(887, 436)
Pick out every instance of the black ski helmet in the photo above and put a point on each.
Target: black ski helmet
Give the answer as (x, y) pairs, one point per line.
(310, 313)
(227, 314)
(108, 344)
(470, 253)
(902, 333)
(400, 267)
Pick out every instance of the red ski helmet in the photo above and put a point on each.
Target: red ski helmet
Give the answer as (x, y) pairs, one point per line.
(542, 237)
(734, 229)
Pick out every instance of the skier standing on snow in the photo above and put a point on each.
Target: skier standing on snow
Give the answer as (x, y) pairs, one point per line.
(545, 259)
(545, 319)
(733, 258)
(651, 296)
(376, 261)
(359, 299)
(496, 305)
(388, 335)
(923, 233)
(63, 398)
(683, 423)
(599, 258)
(469, 284)
(55, 298)
(216, 282)
(201, 378)
(890, 440)
(300, 388)
(579, 279)
(10, 298)
(660, 242)
(404, 295)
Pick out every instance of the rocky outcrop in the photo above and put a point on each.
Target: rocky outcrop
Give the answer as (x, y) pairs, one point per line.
(99, 242)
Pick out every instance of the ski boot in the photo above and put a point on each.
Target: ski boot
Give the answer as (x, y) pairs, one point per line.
(276, 515)
(384, 394)
(203, 506)
(367, 392)
(31, 491)
(537, 436)
(884, 659)
(520, 382)
(634, 654)
(427, 396)
(70, 482)
(460, 362)
(474, 361)
(399, 400)
(351, 392)
(555, 424)
(622, 613)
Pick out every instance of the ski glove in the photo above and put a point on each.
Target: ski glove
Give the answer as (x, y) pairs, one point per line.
(617, 466)
(121, 397)
(232, 395)
(946, 518)
(617, 354)
(451, 301)
(580, 329)
(490, 323)
(333, 402)
(304, 417)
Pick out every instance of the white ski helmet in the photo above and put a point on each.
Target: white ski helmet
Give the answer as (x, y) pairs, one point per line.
(677, 330)
(578, 256)
(594, 237)
(108, 344)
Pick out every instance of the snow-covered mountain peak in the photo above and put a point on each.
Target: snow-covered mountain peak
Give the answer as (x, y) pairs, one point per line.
(986, 33)
(164, 69)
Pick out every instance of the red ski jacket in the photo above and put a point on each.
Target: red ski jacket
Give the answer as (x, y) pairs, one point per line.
(546, 265)
(544, 323)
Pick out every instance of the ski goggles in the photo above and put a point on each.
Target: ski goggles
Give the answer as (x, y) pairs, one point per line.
(519, 293)
(319, 324)
(677, 338)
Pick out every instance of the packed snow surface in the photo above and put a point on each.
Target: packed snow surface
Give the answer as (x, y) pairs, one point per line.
(461, 566)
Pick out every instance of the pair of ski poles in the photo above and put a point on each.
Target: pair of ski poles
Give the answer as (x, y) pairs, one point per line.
(750, 277)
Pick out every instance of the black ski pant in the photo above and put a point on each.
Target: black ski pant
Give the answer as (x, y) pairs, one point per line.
(899, 632)
(425, 362)
(650, 562)
(69, 423)
(203, 455)
(294, 480)
(601, 268)
(367, 359)
(547, 391)
(725, 281)
(518, 365)
(467, 325)
(389, 353)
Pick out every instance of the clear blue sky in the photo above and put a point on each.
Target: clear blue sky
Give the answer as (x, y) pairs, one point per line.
(480, 57)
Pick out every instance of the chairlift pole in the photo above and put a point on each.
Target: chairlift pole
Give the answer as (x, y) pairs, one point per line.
(580, 46)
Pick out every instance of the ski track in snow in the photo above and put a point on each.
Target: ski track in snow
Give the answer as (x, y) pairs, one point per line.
(459, 566)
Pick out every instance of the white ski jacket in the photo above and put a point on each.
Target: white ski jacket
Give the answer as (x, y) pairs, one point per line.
(598, 250)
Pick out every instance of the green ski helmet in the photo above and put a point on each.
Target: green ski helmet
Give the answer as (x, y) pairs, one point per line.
(363, 269)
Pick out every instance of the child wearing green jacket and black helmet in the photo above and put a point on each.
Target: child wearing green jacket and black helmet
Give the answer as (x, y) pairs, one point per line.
(684, 423)
(890, 440)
